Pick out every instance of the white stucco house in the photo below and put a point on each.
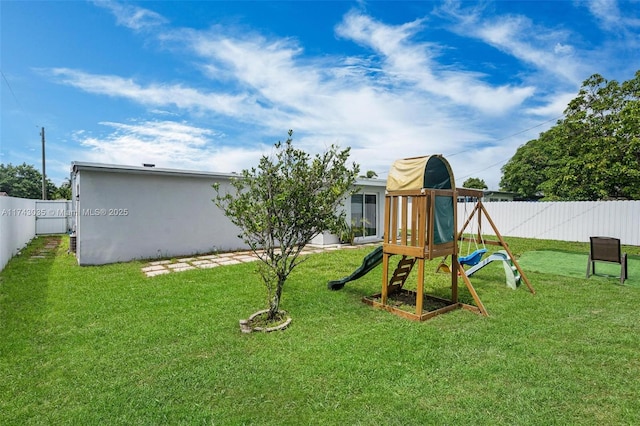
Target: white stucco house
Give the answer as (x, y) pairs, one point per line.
(123, 213)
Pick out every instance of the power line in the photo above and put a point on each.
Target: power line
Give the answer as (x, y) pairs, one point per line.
(15, 98)
(512, 135)
(501, 139)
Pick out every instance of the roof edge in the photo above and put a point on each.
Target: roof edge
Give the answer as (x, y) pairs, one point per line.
(121, 168)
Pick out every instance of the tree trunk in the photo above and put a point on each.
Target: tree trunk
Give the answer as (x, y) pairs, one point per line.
(274, 304)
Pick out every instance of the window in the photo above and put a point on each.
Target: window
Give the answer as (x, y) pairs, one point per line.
(364, 214)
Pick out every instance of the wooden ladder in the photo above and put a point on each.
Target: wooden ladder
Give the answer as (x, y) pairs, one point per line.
(401, 273)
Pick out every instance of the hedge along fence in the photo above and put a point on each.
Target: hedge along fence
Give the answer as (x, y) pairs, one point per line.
(17, 226)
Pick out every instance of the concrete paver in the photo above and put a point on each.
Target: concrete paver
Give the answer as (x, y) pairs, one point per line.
(160, 267)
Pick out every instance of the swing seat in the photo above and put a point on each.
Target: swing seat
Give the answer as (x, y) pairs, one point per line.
(473, 258)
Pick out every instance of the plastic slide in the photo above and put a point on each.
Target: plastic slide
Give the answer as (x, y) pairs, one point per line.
(510, 271)
(472, 259)
(369, 262)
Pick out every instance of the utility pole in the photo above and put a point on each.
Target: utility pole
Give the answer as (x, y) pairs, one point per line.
(44, 175)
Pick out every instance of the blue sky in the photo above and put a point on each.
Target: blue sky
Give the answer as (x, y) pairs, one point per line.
(211, 85)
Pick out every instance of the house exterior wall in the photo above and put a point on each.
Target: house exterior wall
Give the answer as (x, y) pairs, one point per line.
(126, 213)
(365, 186)
(123, 215)
(494, 196)
(17, 226)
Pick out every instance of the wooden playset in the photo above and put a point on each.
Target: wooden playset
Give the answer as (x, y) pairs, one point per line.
(420, 223)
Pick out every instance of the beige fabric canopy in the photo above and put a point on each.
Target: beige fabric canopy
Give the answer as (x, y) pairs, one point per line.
(431, 171)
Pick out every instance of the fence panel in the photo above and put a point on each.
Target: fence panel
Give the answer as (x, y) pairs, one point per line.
(17, 226)
(565, 221)
(53, 216)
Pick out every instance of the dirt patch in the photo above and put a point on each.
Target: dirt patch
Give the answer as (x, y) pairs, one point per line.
(406, 301)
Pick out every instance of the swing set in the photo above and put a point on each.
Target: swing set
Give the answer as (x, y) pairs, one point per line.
(472, 258)
(420, 224)
(475, 234)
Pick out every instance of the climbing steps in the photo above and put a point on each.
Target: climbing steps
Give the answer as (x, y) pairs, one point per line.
(401, 273)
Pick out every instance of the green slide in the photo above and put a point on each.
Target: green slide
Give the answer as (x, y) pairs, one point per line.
(369, 262)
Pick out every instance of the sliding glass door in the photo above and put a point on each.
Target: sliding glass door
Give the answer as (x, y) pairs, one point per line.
(364, 214)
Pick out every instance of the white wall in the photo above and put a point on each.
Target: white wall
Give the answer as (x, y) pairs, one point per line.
(367, 186)
(122, 216)
(564, 221)
(53, 217)
(17, 226)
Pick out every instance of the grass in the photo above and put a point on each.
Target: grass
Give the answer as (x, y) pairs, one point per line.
(106, 345)
(575, 265)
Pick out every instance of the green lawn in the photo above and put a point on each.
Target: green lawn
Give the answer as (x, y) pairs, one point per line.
(106, 345)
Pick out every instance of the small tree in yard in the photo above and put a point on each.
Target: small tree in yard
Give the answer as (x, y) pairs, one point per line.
(285, 202)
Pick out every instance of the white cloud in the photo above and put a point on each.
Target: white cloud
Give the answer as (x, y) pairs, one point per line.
(611, 18)
(548, 49)
(415, 63)
(395, 99)
(562, 49)
(554, 105)
(133, 17)
(151, 94)
(166, 144)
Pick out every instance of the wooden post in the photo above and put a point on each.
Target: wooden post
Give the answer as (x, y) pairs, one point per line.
(420, 287)
(385, 278)
(454, 278)
(393, 232)
(472, 290)
(404, 212)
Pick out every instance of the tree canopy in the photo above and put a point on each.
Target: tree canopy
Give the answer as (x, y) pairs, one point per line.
(475, 183)
(593, 153)
(25, 181)
(285, 202)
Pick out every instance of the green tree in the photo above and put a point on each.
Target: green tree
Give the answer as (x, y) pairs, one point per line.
(24, 181)
(527, 170)
(370, 175)
(593, 153)
(475, 183)
(283, 203)
(64, 190)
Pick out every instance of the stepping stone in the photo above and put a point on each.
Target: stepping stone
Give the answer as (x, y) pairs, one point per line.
(183, 268)
(158, 272)
(187, 259)
(178, 265)
(159, 262)
(209, 256)
(245, 258)
(208, 265)
(153, 268)
(200, 262)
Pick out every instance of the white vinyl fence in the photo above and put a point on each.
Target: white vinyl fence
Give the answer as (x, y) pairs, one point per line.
(565, 221)
(21, 220)
(53, 217)
(17, 226)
